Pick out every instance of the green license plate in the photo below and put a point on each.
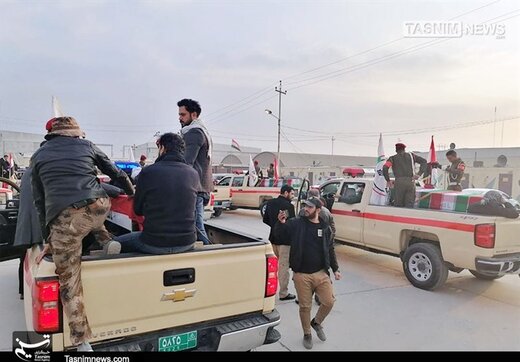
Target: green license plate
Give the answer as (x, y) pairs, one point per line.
(178, 342)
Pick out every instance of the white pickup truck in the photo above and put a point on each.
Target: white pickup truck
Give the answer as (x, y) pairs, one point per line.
(234, 192)
(429, 242)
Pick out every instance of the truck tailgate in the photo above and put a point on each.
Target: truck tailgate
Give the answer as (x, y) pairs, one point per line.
(127, 295)
(507, 236)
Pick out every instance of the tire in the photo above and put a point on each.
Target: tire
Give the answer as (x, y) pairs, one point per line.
(424, 266)
(481, 276)
(217, 212)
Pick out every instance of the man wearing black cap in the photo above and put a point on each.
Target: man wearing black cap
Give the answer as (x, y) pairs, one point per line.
(312, 255)
(403, 166)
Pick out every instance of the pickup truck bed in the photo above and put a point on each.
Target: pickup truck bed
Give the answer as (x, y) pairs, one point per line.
(216, 297)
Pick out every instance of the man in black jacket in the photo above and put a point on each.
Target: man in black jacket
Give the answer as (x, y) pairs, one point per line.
(198, 154)
(312, 255)
(494, 204)
(165, 195)
(71, 204)
(281, 245)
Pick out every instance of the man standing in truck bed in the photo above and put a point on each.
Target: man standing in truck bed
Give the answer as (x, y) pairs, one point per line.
(403, 166)
(455, 171)
(71, 203)
(198, 154)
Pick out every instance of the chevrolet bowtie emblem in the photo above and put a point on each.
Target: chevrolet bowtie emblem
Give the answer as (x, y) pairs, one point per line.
(178, 295)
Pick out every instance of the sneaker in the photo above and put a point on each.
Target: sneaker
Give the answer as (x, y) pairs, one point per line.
(307, 341)
(85, 347)
(112, 247)
(289, 297)
(319, 330)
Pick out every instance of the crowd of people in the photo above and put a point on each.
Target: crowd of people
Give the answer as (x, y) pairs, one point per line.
(64, 202)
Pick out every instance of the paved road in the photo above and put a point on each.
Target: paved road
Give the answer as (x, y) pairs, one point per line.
(376, 308)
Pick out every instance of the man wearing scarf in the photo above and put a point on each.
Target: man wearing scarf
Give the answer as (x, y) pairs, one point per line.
(165, 195)
(198, 154)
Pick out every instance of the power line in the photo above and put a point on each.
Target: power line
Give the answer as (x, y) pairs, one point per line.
(407, 131)
(378, 46)
(254, 96)
(368, 63)
(234, 114)
(239, 104)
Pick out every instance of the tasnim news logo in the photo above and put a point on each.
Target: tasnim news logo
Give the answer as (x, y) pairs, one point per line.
(451, 29)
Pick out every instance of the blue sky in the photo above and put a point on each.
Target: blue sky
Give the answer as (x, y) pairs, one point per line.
(120, 66)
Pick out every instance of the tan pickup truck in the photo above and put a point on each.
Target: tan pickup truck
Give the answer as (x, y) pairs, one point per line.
(429, 242)
(213, 298)
(250, 197)
(222, 194)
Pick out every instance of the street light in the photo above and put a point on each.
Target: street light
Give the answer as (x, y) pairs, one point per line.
(269, 112)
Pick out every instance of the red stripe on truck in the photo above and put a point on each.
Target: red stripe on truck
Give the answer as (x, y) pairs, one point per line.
(409, 220)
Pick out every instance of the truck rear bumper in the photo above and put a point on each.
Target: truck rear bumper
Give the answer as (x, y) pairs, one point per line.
(498, 266)
(239, 333)
(222, 204)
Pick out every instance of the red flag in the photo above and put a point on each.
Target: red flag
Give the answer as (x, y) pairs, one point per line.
(276, 171)
(432, 158)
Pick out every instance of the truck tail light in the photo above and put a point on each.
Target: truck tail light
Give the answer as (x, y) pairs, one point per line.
(271, 281)
(46, 305)
(485, 235)
(212, 199)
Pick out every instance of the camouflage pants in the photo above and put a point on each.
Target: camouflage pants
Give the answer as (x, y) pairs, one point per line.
(66, 234)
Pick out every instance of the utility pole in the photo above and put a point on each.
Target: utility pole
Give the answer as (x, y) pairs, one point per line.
(332, 154)
(280, 92)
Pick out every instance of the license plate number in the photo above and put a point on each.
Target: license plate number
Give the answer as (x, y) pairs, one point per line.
(178, 342)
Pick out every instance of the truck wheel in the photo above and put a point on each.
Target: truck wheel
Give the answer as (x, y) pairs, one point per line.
(484, 276)
(424, 267)
(217, 212)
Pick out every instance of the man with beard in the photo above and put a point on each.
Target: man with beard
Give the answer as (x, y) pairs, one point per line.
(197, 154)
(312, 255)
(281, 246)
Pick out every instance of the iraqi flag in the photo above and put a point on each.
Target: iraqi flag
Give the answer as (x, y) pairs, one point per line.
(379, 194)
(235, 145)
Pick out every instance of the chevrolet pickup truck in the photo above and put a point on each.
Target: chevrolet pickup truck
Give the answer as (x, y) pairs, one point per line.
(251, 197)
(213, 298)
(429, 242)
